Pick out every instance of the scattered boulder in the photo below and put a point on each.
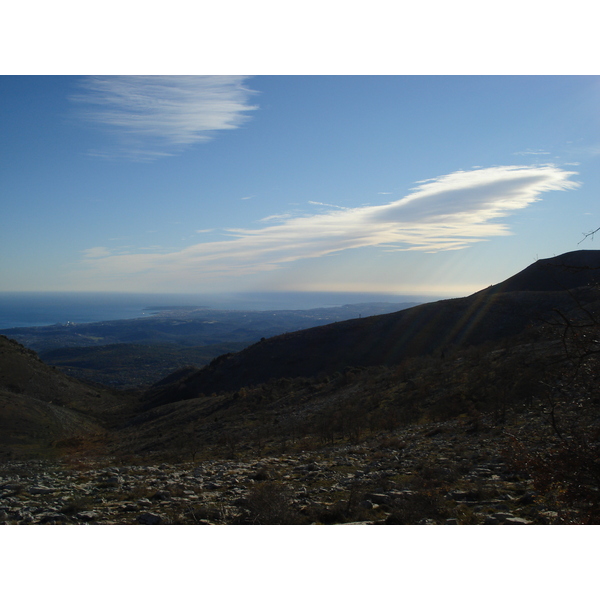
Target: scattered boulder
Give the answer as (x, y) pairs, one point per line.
(149, 519)
(41, 489)
(87, 515)
(517, 521)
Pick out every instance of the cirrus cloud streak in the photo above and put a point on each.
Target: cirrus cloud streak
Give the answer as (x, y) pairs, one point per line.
(450, 212)
(153, 116)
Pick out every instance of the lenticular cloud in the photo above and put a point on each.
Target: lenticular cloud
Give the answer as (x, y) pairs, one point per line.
(445, 213)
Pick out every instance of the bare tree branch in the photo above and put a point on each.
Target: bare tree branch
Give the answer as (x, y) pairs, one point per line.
(587, 235)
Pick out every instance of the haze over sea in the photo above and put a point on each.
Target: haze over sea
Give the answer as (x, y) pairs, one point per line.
(36, 309)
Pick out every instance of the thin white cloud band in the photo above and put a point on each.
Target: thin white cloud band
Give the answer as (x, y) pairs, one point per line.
(445, 213)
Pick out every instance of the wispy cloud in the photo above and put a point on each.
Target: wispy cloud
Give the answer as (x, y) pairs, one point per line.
(154, 116)
(324, 204)
(445, 213)
(280, 217)
(583, 151)
(96, 252)
(529, 152)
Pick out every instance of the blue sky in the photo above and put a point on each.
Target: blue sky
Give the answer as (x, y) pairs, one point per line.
(434, 185)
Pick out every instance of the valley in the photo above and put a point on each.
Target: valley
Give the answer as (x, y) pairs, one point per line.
(476, 410)
(133, 353)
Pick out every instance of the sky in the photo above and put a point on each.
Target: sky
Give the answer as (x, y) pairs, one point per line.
(435, 185)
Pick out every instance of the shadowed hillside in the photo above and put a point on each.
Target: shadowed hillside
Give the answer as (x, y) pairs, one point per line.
(503, 310)
(559, 273)
(40, 406)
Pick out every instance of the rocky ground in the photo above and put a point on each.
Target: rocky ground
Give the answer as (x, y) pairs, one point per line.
(442, 474)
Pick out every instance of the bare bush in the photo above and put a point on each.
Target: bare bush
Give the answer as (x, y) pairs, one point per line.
(268, 503)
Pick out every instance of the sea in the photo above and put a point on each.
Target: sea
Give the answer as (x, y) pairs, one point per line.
(37, 309)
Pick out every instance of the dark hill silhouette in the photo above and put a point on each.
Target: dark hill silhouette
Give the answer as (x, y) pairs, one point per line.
(500, 311)
(559, 273)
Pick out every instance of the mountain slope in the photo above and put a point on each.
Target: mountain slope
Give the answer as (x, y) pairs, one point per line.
(524, 300)
(40, 406)
(559, 273)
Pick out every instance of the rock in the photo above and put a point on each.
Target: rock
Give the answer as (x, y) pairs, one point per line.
(41, 489)
(399, 495)
(503, 515)
(90, 493)
(517, 521)
(113, 481)
(87, 515)
(162, 496)
(149, 519)
(50, 518)
(459, 495)
(378, 498)
(500, 517)
(507, 497)
(13, 486)
(527, 498)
